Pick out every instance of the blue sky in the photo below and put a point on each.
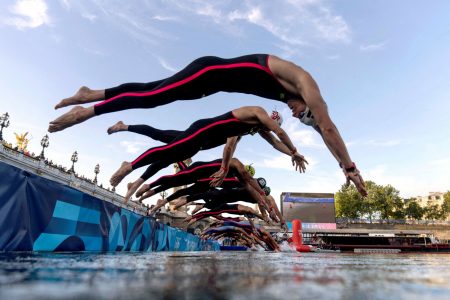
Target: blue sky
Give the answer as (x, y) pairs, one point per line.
(383, 67)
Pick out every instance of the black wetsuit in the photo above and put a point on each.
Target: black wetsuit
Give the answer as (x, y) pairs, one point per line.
(214, 197)
(200, 187)
(199, 173)
(224, 208)
(201, 135)
(165, 136)
(207, 75)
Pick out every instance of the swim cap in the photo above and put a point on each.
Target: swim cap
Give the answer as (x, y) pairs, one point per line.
(262, 182)
(267, 190)
(307, 118)
(276, 117)
(250, 169)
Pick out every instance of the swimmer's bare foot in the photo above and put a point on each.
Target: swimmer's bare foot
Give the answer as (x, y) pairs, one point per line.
(142, 190)
(76, 115)
(146, 195)
(132, 187)
(179, 203)
(197, 208)
(119, 126)
(120, 174)
(83, 95)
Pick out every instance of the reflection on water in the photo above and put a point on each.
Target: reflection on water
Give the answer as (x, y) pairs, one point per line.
(225, 275)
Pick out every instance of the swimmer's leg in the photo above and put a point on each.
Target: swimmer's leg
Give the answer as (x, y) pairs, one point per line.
(119, 126)
(82, 96)
(76, 115)
(120, 174)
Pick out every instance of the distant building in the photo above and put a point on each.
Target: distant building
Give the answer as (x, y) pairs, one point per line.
(433, 198)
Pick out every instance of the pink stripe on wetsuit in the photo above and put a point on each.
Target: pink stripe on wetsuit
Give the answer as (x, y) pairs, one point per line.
(201, 135)
(207, 75)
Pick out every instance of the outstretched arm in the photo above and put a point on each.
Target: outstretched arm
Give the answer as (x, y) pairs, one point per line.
(228, 152)
(250, 183)
(329, 131)
(301, 83)
(274, 207)
(271, 125)
(298, 160)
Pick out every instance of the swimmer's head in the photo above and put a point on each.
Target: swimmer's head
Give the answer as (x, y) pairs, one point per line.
(276, 116)
(302, 112)
(267, 190)
(250, 169)
(307, 118)
(261, 182)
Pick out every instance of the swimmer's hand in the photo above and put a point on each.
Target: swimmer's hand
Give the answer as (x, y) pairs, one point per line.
(299, 162)
(219, 176)
(352, 174)
(284, 228)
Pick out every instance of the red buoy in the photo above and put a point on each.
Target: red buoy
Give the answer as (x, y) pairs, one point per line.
(297, 237)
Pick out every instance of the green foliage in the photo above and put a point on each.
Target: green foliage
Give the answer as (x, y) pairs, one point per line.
(348, 202)
(385, 203)
(381, 200)
(433, 212)
(445, 208)
(413, 210)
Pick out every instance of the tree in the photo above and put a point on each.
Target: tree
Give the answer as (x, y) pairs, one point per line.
(433, 212)
(348, 202)
(445, 208)
(369, 205)
(413, 210)
(383, 201)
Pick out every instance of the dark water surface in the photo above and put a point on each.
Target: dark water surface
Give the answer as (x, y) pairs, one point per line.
(224, 275)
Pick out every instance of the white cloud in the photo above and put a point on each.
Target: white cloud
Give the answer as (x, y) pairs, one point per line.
(411, 183)
(92, 51)
(164, 18)
(133, 147)
(283, 162)
(373, 47)
(300, 135)
(209, 10)
(443, 162)
(290, 23)
(29, 14)
(65, 3)
(332, 28)
(295, 22)
(276, 162)
(388, 143)
(166, 65)
(333, 57)
(135, 22)
(90, 17)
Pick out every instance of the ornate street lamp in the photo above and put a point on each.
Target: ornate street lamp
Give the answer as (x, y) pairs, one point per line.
(4, 123)
(74, 159)
(96, 171)
(44, 144)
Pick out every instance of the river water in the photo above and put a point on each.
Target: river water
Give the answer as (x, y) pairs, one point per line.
(224, 275)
